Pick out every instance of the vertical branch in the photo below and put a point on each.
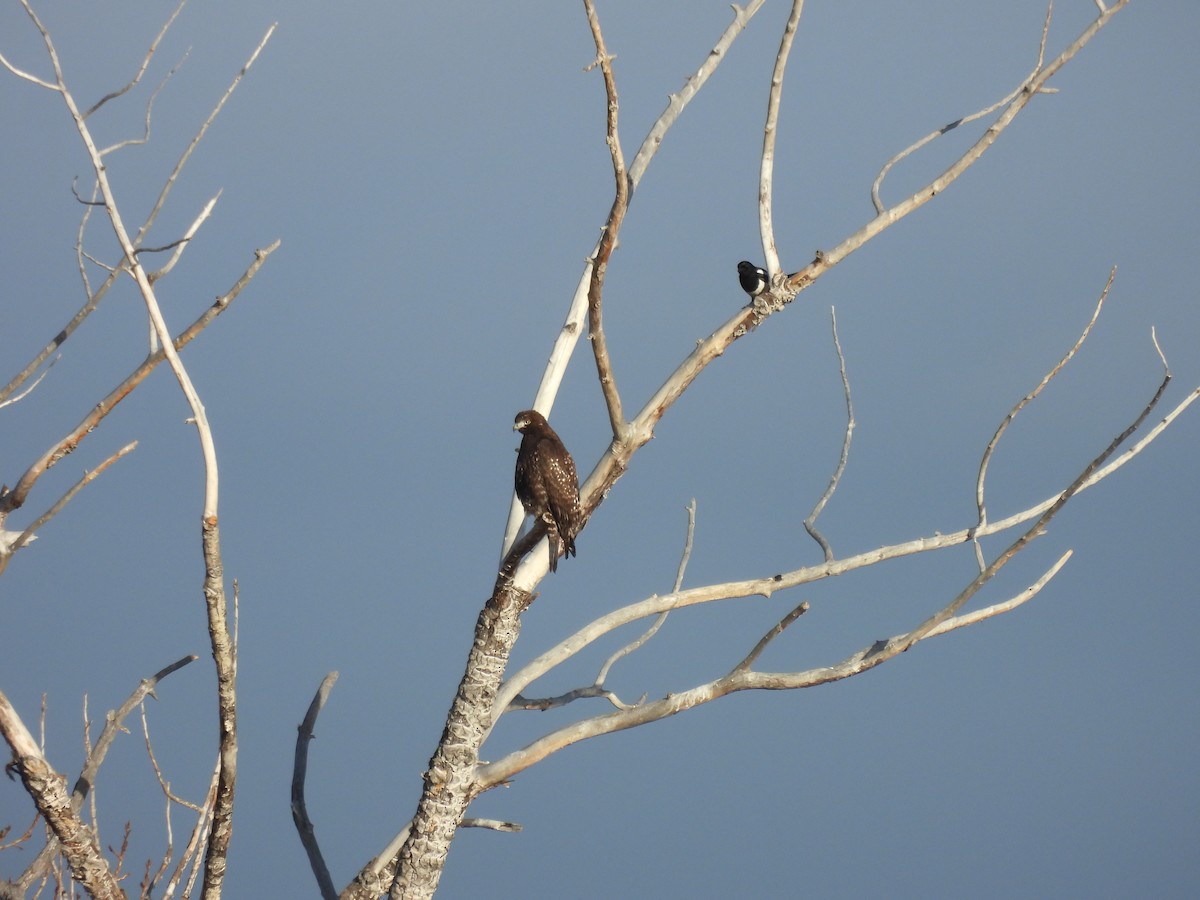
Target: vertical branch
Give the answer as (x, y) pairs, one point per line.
(223, 647)
(608, 238)
(810, 524)
(766, 227)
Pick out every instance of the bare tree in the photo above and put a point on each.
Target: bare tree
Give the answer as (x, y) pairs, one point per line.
(410, 864)
(70, 834)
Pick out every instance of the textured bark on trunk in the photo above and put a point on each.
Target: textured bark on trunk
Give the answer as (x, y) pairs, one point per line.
(450, 782)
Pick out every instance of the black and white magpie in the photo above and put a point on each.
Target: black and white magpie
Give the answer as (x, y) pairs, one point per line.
(752, 278)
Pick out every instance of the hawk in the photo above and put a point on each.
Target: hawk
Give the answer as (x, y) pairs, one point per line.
(546, 483)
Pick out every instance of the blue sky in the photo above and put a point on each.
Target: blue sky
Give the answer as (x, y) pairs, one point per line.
(436, 174)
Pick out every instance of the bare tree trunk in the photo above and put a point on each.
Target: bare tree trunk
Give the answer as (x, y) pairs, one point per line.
(450, 782)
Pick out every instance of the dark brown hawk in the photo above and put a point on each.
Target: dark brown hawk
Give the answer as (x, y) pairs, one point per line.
(546, 483)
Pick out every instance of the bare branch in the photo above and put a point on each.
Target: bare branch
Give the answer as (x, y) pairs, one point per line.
(26, 75)
(888, 217)
(491, 824)
(996, 609)
(739, 679)
(181, 244)
(766, 227)
(304, 825)
(141, 69)
(84, 784)
(25, 393)
(946, 129)
(49, 792)
(16, 497)
(572, 328)
(214, 587)
(677, 102)
(777, 630)
(1028, 398)
(173, 177)
(810, 524)
(609, 236)
(28, 534)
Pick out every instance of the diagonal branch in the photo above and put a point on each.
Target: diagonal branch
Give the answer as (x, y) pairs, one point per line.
(740, 678)
(28, 534)
(886, 218)
(114, 725)
(946, 129)
(174, 176)
(142, 68)
(15, 498)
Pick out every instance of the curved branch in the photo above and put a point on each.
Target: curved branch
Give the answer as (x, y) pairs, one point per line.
(608, 237)
(738, 679)
(304, 825)
(766, 227)
(141, 69)
(980, 480)
(810, 524)
(767, 586)
(946, 129)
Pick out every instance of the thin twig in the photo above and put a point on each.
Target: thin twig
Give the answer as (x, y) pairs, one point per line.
(142, 68)
(25, 393)
(1031, 396)
(181, 244)
(662, 617)
(145, 138)
(491, 825)
(877, 185)
(810, 524)
(28, 534)
(174, 176)
(888, 217)
(677, 102)
(775, 631)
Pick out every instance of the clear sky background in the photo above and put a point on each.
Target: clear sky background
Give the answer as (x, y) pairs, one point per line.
(437, 173)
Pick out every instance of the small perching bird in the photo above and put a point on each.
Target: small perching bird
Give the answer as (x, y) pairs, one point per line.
(752, 278)
(546, 483)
